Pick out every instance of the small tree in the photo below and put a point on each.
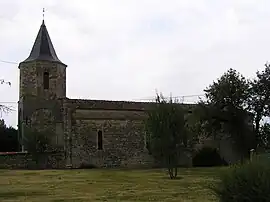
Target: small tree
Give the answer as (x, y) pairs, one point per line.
(166, 133)
(196, 123)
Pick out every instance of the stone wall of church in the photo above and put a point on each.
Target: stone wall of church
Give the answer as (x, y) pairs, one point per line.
(31, 80)
(40, 107)
(122, 129)
(123, 134)
(24, 160)
(123, 143)
(44, 116)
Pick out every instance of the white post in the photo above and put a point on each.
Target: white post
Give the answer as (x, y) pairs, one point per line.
(251, 154)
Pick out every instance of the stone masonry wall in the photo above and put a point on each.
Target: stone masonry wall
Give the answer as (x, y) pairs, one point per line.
(24, 160)
(121, 124)
(41, 109)
(123, 143)
(43, 116)
(31, 80)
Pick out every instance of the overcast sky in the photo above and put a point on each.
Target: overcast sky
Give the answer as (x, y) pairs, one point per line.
(125, 49)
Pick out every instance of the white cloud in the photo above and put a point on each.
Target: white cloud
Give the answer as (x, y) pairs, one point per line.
(118, 49)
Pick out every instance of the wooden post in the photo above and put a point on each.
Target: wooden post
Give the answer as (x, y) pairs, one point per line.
(251, 154)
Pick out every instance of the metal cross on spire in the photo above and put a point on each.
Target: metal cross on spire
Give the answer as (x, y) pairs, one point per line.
(43, 11)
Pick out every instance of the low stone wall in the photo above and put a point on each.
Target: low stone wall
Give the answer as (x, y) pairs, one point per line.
(24, 160)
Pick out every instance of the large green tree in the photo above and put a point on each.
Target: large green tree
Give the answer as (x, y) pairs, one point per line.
(166, 132)
(8, 138)
(225, 110)
(259, 101)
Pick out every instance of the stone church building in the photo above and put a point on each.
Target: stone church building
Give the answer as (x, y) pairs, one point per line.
(100, 133)
(97, 132)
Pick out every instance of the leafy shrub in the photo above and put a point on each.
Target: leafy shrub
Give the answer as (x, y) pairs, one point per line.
(87, 166)
(208, 157)
(247, 182)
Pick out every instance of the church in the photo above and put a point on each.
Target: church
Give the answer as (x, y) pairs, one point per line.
(92, 133)
(100, 133)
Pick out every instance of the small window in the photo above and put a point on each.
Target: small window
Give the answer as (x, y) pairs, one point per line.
(100, 140)
(46, 80)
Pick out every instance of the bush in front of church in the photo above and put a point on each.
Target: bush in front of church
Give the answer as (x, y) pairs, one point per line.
(247, 182)
(208, 157)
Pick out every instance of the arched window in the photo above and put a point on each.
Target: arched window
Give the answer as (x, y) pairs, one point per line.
(46, 80)
(100, 140)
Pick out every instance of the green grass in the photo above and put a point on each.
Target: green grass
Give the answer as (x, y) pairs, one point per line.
(106, 185)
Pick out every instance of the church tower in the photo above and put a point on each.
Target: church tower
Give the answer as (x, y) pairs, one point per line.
(42, 87)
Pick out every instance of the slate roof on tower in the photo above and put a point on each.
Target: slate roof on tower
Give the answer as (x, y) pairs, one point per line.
(43, 48)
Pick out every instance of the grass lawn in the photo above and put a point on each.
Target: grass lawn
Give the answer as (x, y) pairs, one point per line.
(106, 185)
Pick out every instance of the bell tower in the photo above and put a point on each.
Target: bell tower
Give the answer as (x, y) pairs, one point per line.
(42, 86)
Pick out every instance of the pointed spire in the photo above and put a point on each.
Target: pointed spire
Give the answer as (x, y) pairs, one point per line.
(43, 48)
